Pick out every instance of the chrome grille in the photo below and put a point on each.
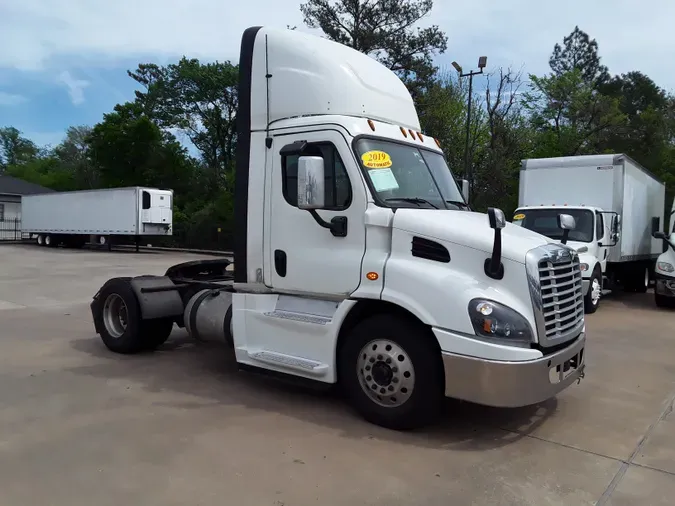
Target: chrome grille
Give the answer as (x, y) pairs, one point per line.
(557, 295)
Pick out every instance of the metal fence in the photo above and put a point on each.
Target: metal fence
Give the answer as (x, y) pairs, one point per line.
(10, 230)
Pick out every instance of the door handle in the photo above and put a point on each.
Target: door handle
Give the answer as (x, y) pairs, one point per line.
(280, 263)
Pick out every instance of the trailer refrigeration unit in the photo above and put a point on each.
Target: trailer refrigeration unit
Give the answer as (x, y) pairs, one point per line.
(613, 200)
(72, 218)
(356, 259)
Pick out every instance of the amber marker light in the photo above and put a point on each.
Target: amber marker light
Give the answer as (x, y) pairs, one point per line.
(438, 143)
(372, 276)
(371, 125)
(405, 134)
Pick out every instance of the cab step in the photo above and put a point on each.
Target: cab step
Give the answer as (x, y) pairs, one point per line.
(303, 365)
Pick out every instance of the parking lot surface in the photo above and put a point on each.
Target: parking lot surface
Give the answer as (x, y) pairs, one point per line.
(180, 426)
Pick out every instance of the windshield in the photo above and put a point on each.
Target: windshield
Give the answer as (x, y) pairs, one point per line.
(545, 222)
(402, 175)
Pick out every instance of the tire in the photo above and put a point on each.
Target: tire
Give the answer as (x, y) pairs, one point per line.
(592, 297)
(398, 338)
(40, 240)
(227, 327)
(120, 328)
(642, 280)
(49, 241)
(155, 333)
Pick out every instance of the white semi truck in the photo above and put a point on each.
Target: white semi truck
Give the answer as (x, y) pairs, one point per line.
(664, 274)
(613, 200)
(73, 218)
(356, 259)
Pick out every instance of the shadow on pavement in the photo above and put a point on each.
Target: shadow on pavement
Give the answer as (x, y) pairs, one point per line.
(210, 372)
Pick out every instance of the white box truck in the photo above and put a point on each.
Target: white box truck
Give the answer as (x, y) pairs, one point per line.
(356, 260)
(664, 273)
(613, 200)
(73, 218)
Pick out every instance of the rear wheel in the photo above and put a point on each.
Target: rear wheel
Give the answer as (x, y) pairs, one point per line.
(392, 372)
(40, 240)
(50, 241)
(120, 324)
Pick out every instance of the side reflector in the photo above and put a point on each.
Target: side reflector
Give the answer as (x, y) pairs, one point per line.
(372, 276)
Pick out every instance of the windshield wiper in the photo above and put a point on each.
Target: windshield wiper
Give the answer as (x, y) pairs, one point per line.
(457, 203)
(412, 200)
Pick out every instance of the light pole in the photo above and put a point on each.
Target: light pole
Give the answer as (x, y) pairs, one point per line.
(482, 62)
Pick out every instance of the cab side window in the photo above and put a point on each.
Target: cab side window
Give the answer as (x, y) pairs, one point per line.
(600, 227)
(338, 187)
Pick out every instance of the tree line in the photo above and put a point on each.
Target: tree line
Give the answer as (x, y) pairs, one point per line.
(578, 107)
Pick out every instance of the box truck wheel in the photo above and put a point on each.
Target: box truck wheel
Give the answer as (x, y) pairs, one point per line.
(50, 241)
(40, 240)
(392, 373)
(594, 294)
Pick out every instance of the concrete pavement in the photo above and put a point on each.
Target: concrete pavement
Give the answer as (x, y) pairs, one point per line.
(82, 426)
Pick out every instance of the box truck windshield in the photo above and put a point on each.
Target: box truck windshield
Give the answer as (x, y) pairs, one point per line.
(405, 176)
(545, 222)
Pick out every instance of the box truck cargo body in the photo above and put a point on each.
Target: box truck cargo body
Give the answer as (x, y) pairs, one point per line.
(72, 217)
(613, 200)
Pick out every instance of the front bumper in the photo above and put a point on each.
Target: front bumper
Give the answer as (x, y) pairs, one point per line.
(513, 384)
(664, 285)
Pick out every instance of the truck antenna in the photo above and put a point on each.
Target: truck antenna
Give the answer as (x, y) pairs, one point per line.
(268, 76)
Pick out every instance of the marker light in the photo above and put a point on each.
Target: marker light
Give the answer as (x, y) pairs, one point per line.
(412, 134)
(437, 143)
(419, 135)
(371, 125)
(372, 276)
(405, 134)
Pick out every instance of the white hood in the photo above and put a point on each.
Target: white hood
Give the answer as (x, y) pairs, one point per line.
(468, 229)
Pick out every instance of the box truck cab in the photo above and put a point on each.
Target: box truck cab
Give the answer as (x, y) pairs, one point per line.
(664, 273)
(356, 259)
(613, 201)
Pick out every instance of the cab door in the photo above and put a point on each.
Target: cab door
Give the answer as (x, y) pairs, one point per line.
(603, 238)
(303, 256)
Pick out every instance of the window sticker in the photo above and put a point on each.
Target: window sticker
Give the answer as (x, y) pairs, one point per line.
(383, 179)
(376, 160)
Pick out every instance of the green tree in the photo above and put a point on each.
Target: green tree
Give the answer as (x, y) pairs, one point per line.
(199, 100)
(14, 148)
(578, 52)
(569, 115)
(385, 30)
(73, 156)
(129, 149)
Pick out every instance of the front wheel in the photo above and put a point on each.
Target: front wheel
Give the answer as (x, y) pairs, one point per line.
(594, 294)
(392, 372)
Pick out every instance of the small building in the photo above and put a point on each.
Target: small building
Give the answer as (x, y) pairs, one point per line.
(11, 191)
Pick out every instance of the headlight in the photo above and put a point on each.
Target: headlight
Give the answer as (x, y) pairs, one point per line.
(584, 267)
(494, 320)
(665, 266)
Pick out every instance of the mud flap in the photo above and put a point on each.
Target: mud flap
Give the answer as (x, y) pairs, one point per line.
(158, 297)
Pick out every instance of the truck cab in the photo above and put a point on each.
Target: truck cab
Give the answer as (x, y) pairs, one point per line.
(357, 261)
(595, 232)
(664, 274)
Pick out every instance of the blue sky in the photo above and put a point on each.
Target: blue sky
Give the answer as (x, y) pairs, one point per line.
(64, 62)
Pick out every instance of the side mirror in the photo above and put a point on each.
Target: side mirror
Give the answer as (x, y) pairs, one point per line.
(311, 182)
(465, 190)
(496, 218)
(493, 266)
(566, 223)
(656, 228)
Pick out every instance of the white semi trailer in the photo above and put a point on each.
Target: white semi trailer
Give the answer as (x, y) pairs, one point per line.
(356, 259)
(73, 218)
(613, 200)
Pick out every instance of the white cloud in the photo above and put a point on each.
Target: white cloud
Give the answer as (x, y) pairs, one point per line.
(632, 35)
(9, 99)
(75, 87)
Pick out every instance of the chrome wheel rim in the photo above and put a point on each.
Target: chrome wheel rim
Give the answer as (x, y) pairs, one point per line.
(115, 315)
(386, 373)
(596, 291)
(101, 240)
